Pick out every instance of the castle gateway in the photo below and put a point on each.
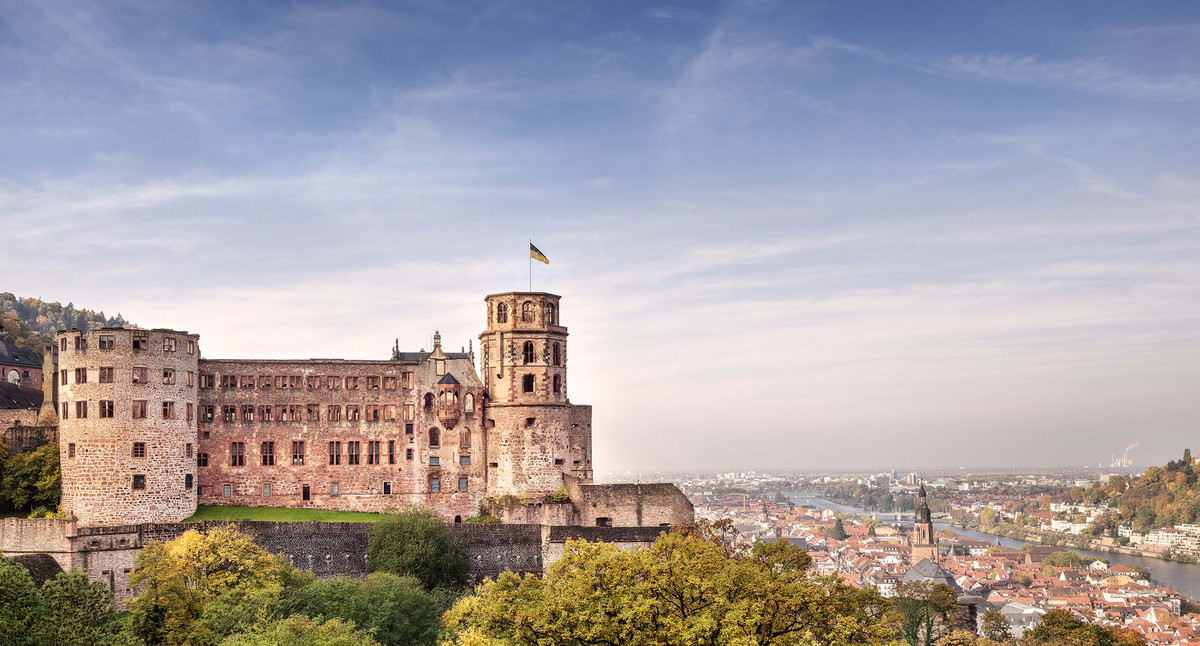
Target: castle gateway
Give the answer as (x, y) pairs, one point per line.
(148, 429)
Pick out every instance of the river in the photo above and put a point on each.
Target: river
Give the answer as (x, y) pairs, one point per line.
(1182, 577)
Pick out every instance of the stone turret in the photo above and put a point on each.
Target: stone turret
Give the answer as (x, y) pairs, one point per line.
(48, 415)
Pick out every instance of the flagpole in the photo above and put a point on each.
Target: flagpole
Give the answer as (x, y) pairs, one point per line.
(531, 267)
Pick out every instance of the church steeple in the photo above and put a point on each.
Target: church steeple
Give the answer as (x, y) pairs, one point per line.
(924, 546)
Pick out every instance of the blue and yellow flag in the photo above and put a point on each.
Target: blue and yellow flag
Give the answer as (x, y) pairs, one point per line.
(536, 254)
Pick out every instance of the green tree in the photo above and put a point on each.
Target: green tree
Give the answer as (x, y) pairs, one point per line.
(299, 630)
(1060, 628)
(419, 544)
(21, 610)
(995, 628)
(988, 518)
(397, 610)
(32, 478)
(838, 531)
(686, 588)
(924, 611)
(80, 612)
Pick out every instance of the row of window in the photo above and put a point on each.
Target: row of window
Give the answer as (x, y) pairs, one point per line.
(527, 384)
(527, 354)
(141, 341)
(138, 375)
(353, 453)
(138, 409)
(293, 382)
(527, 313)
(435, 485)
(137, 450)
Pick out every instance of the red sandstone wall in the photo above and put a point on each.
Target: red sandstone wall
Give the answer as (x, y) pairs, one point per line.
(98, 476)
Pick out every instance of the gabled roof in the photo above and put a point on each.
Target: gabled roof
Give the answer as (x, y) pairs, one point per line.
(10, 356)
(927, 570)
(448, 379)
(14, 397)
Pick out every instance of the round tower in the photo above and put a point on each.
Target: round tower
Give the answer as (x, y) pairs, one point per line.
(528, 415)
(127, 425)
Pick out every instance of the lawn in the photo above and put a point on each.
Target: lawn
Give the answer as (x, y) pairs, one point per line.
(223, 512)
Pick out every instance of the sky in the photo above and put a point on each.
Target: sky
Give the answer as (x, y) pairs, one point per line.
(807, 235)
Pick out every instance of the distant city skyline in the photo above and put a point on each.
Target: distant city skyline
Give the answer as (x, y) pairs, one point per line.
(787, 235)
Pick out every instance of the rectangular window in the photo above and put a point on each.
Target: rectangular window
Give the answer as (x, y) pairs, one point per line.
(139, 449)
(207, 412)
(389, 383)
(293, 381)
(435, 484)
(335, 453)
(281, 382)
(527, 384)
(389, 413)
(410, 412)
(81, 375)
(81, 409)
(201, 459)
(333, 383)
(268, 454)
(191, 411)
(353, 413)
(237, 454)
(188, 481)
(206, 381)
(333, 414)
(313, 413)
(141, 340)
(106, 408)
(191, 378)
(141, 375)
(333, 488)
(387, 488)
(106, 375)
(372, 413)
(407, 378)
(464, 460)
(372, 383)
(168, 344)
(434, 461)
(227, 491)
(266, 490)
(106, 342)
(81, 342)
(245, 382)
(168, 410)
(139, 409)
(139, 482)
(464, 438)
(66, 409)
(228, 381)
(264, 413)
(187, 450)
(408, 429)
(352, 452)
(297, 454)
(247, 413)
(191, 347)
(373, 454)
(314, 383)
(408, 454)
(168, 376)
(229, 413)
(462, 484)
(391, 451)
(351, 383)
(63, 373)
(71, 450)
(282, 413)
(62, 344)
(295, 413)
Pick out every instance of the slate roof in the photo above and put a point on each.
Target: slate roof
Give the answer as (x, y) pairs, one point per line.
(10, 356)
(448, 379)
(14, 397)
(927, 570)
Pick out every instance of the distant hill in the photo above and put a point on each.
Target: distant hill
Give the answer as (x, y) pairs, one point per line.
(29, 322)
(1161, 497)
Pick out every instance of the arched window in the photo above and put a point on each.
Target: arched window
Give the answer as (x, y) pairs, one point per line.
(449, 399)
(502, 313)
(557, 384)
(428, 402)
(464, 438)
(528, 352)
(557, 354)
(527, 312)
(434, 437)
(527, 384)
(551, 314)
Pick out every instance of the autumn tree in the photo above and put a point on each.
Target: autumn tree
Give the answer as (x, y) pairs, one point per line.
(995, 628)
(299, 630)
(1060, 628)
(924, 611)
(32, 478)
(684, 589)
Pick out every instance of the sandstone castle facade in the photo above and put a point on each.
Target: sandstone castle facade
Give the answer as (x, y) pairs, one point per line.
(148, 429)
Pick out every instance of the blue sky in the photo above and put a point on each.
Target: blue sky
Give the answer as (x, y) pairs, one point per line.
(825, 234)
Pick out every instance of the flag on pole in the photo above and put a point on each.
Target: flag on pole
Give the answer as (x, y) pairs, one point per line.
(536, 254)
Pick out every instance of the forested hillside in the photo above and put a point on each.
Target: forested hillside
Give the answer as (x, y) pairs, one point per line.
(28, 322)
(1161, 497)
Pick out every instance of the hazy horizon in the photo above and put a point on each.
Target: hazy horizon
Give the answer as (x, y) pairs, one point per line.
(787, 235)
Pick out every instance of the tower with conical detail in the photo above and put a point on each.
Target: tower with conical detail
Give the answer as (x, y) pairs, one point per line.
(924, 545)
(535, 435)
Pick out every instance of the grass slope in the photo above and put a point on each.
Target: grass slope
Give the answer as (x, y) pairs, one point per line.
(223, 512)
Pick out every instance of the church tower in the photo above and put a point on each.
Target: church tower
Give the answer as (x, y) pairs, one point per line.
(535, 435)
(924, 545)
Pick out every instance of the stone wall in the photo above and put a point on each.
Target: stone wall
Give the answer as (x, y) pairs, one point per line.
(37, 536)
(630, 505)
(23, 438)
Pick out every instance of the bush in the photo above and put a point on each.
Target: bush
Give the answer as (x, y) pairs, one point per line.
(419, 544)
(559, 495)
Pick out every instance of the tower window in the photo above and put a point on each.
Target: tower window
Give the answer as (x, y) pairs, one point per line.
(428, 402)
(530, 421)
(557, 354)
(187, 482)
(551, 314)
(527, 312)
(557, 384)
(527, 384)
(106, 408)
(528, 352)
(434, 437)
(139, 449)
(139, 482)
(501, 314)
